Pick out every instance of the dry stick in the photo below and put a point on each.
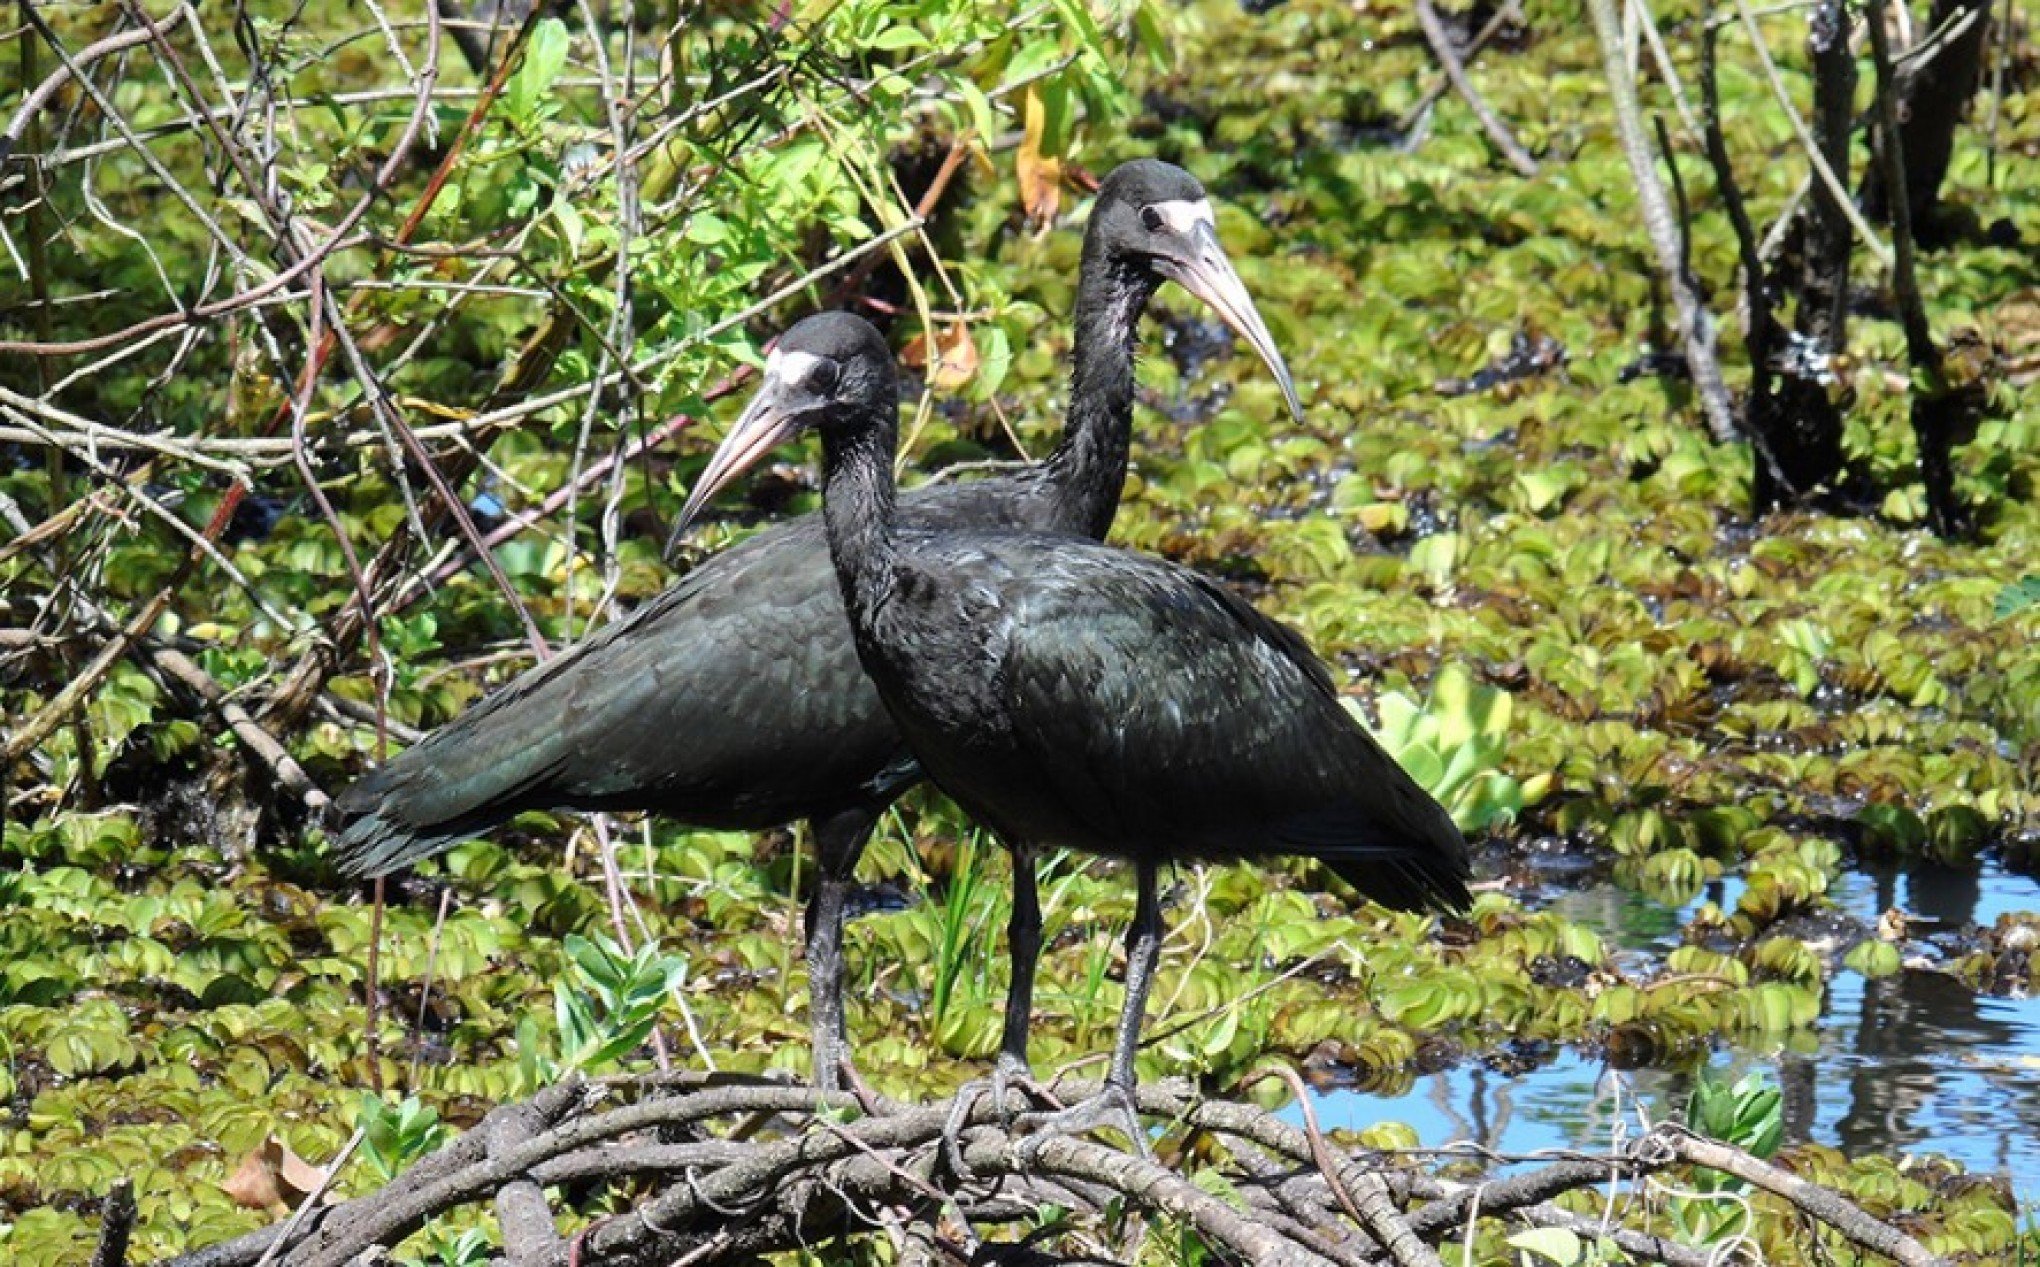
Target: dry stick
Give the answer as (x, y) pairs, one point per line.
(120, 124)
(94, 433)
(74, 693)
(130, 487)
(1374, 1210)
(1147, 1183)
(337, 238)
(867, 257)
(777, 1182)
(32, 104)
(371, 1039)
(236, 302)
(301, 405)
(1452, 1203)
(315, 1198)
(1509, 12)
(466, 1151)
(237, 455)
(308, 675)
(116, 1224)
(1997, 96)
(264, 746)
(559, 497)
(1455, 71)
(1647, 1245)
(39, 727)
(1828, 1207)
(1696, 327)
(1647, 24)
(1763, 336)
(1836, 186)
(431, 969)
(530, 1233)
(989, 1152)
(385, 408)
(179, 667)
(342, 709)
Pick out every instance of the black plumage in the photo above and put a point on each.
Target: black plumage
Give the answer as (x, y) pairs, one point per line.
(1067, 693)
(734, 699)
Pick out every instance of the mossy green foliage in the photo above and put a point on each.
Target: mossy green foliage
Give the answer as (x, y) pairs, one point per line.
(1543, 593)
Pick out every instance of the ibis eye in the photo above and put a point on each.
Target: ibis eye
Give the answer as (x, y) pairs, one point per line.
(823, 377)
(1151, 219)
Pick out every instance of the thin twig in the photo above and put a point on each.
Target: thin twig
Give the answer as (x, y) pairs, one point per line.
(1696, 327)
(1441, 45)
(1836, 187)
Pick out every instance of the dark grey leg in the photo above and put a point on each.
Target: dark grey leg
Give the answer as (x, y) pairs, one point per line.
(1143, 948)
(1114, 1104)
(1023, 936)
(839, 842)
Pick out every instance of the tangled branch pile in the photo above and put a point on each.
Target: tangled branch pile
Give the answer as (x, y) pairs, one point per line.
(706, 1169)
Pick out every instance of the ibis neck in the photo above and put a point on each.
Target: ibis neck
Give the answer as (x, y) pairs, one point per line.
(859, 509)
(1088, 468)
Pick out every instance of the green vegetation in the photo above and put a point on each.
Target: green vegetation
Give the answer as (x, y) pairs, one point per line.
(1543, 592)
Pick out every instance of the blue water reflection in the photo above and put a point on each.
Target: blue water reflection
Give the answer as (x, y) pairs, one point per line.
(1913, 1063)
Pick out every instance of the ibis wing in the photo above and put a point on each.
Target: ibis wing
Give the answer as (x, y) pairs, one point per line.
(727, 700)
(1167, 714)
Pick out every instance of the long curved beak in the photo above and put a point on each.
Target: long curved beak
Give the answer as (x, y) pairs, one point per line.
(766, 424)
(1205, 272)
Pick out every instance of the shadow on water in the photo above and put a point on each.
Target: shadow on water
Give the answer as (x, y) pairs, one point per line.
(1915, 1062)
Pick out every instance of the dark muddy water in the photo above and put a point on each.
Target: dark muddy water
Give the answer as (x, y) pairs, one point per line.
(1911, 1063)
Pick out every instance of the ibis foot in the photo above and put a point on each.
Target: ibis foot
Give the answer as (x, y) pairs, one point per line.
(1008, 1073)
(1112, 1106)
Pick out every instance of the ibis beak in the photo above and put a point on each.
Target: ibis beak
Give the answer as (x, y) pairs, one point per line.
(1204, 271)
(766, 424)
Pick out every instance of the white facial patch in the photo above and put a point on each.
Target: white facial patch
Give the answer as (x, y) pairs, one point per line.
(790, 367)
(1183, 216)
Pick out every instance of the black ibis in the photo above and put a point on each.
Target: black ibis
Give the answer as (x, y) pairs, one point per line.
(1066, 693)
(734, 699)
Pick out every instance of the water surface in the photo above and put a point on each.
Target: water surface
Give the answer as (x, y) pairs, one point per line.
(1912, 1063)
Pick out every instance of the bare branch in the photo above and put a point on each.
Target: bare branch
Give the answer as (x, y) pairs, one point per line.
(1455, 71)
(1696, 327)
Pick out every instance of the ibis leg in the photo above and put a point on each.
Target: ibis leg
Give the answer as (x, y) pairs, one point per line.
(1023, 941)
(1143, 948)
(1114, 1105)
(1023, 936)
(839, 842)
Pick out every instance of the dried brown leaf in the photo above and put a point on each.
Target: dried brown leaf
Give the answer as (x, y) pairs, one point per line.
(956, 361)
(273, 1178)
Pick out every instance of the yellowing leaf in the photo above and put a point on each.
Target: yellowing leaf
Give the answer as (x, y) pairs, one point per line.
(1040, 173)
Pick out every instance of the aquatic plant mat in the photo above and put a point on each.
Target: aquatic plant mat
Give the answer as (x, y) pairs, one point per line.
(704, 1169)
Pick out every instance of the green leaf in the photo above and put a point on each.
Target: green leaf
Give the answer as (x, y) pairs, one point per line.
(1542, 490)
(1552, 1244)
(894, 38)
(2021, 595)
(545, 55)
(1078, 14)
(978, 109)
(1873, 958)
(573, 230)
